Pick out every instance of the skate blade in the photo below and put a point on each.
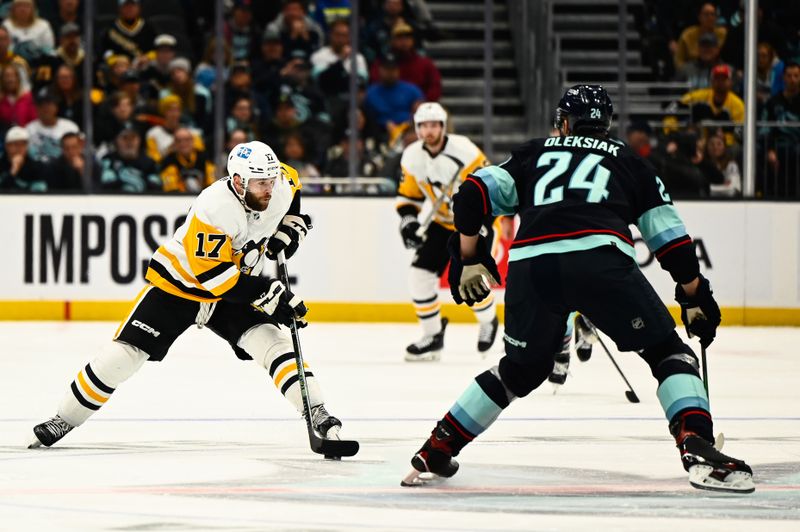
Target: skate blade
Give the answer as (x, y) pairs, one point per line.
(735, 482)
(431, 356)
(416, 479)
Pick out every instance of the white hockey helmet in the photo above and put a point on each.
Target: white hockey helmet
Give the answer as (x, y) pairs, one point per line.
(430, 112)
(253, 160)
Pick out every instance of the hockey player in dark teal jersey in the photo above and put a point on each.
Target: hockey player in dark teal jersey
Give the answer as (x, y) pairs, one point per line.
(576, 195)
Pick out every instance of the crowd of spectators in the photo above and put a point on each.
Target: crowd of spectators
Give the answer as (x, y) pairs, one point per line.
(698, 149)
(152, 95)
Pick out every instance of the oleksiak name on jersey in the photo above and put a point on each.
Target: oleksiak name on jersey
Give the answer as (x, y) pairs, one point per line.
(576, 193)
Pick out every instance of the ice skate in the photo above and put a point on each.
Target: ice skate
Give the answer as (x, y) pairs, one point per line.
(708, 468)
(49, 432)
(325, 424)
(434, 461)
(487, 334)
(429, 348)
(584, 337)
(560, 370)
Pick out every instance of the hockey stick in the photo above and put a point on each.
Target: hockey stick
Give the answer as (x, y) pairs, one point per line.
(705, 371)
(445, 197)
(329, 448)
(630, 394)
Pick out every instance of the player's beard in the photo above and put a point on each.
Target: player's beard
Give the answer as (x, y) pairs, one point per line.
(433, 141)
(256, 204)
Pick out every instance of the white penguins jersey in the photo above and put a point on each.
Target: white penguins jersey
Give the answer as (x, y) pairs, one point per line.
(219, 241)
(428, 177)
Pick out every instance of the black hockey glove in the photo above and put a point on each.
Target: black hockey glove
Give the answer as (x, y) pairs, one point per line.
(471, 279)
(291, 306)
(291, 231)
(700, 313)
(409, 225)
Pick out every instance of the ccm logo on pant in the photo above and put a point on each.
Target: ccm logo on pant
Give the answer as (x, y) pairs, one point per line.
(145, 327)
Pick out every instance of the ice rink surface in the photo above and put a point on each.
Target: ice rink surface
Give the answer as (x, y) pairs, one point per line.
(203, 441)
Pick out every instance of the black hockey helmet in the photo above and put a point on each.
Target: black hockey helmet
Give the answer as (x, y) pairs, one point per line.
(586, 107)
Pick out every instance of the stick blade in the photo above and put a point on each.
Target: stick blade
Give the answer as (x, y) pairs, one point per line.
(632, 397)
(334, 448)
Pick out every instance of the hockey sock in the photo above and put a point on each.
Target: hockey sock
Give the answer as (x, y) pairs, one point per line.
(485, 310)
(96, 382)
(271, 349)
(684, 400)
(479, 405)
(283, 371)
(423, 285)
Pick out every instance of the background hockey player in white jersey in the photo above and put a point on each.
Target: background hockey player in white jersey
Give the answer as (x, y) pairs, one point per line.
(208, 274)
(433, 168)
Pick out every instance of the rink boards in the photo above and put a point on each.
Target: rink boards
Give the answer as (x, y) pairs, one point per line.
(84, 257)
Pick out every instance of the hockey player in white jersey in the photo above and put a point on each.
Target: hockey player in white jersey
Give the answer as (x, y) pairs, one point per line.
(208, 274)
(433, 168)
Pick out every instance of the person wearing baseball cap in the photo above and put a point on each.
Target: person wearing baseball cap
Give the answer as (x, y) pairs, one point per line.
(717, 102)
(17, 170)
(157, 71)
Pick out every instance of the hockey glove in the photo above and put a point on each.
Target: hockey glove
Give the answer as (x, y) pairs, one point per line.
(409, 225)
(471, 279)
(268, 301)
(700, 313)
(291, 307)
(292, 230)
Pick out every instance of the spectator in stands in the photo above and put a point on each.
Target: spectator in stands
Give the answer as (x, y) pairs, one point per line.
(783, 142)
(69, 53)
(160, 139)
(145, 100)
(718, 154)
(31, 35)
(205, 74)
(390, 101)
(294, 154)
(109, 124)
(268, 69)
(339, 159)
(187, 168)
(45, 132)
(677, 167)
(698, 71)
(689, 42)
(16, 104)
(240, 83)
(414, 68)
(308, 100)
(379, 28)
(241, 34)
(130, 34)
(157, 71)
(126, 168)
(298, 31)
(68, 95)
(66, 12)
(327, 11)
(66, 172)
(110, 76)
(717, 102)
(17, 170)
(331, 64)
(242, 117)
(767, 31)
(639, 137)
(8, 57)
(237, 136)
(769, 70)
(284, 123)
(196, 98)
